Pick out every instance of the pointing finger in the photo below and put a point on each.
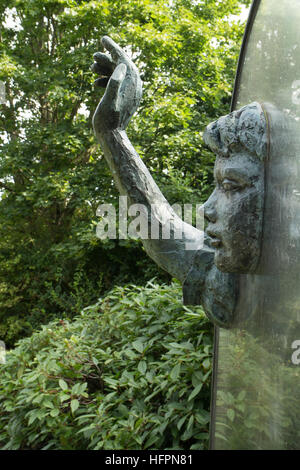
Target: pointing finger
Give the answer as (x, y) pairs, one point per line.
(115, 50)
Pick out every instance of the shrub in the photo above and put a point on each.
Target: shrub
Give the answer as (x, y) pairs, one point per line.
(131, 372)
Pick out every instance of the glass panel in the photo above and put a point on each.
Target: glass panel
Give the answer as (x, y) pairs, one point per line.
(258, 375)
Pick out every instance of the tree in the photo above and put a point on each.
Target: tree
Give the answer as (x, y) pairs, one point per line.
(52, 174)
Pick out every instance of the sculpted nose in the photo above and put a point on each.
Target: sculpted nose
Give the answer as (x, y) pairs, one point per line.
(210, 213)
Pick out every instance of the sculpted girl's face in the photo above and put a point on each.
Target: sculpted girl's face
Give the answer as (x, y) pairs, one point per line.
(234, 212)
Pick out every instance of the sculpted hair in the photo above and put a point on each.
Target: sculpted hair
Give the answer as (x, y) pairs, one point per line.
(246, 129)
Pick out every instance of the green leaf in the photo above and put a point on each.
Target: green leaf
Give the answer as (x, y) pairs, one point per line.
(54, 413)
(48, 404)
(202, 417)
(180, 422)
(74, 405)
(152, 439)
(63, 397)
(231, 414)
(142, 367)
(63, 385)
(190, 423)
(32, 378)
(138, 345)
(175, 372)
(195, 392)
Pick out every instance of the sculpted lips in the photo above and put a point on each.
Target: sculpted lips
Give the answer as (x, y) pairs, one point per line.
(215, 239)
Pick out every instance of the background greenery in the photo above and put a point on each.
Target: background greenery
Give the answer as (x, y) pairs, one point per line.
(132, 372)
(52, 174)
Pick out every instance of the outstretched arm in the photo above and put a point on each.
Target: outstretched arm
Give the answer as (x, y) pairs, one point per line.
(121, 99)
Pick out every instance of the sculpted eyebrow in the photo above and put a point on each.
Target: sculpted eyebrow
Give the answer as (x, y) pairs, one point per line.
(237, 174)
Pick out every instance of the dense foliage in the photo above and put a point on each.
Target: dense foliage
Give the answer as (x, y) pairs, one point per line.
(52, 176)
(131, 372)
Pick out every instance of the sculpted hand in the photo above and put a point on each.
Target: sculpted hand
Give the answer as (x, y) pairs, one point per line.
(123, 88)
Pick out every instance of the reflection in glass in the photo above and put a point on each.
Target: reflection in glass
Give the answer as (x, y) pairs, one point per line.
(258, 383)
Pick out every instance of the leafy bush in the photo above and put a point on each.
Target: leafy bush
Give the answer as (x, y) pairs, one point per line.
(131, 372)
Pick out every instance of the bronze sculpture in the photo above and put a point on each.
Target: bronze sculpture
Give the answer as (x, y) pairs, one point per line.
(234, 211)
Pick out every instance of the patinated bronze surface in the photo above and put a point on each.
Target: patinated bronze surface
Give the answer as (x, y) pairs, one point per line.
(234, 211)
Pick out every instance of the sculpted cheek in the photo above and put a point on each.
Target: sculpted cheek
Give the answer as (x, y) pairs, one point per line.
(246, 214)
(240, 221)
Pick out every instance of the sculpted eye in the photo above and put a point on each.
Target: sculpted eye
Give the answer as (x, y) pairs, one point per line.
(228, 185)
